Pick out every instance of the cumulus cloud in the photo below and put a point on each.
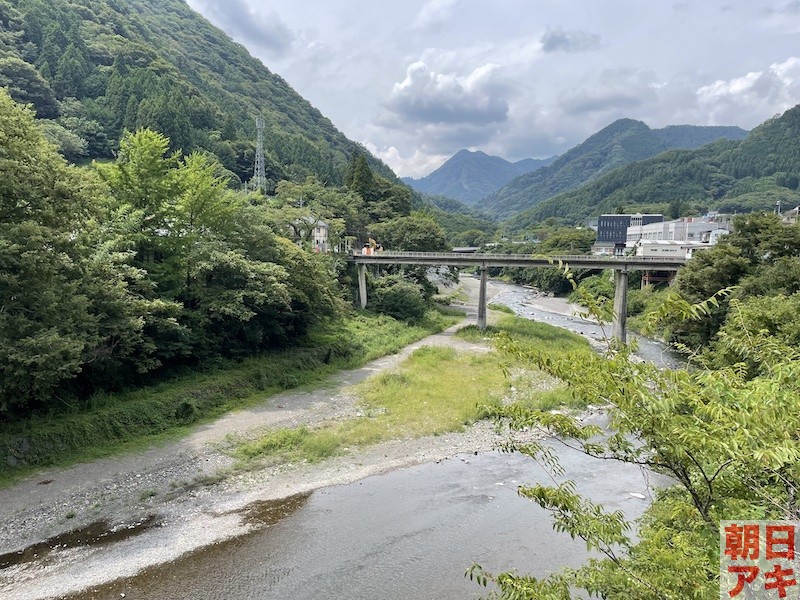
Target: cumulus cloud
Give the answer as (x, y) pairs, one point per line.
(425, 96)
(416, 165)
(558, 40)
(434, 14)
(247, 25)
(750, 96)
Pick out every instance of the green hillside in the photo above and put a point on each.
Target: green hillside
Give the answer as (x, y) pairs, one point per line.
(623, 142)
(95, 68)
(730, 176)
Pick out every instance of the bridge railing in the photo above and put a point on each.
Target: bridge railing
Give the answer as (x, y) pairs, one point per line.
(490, 256)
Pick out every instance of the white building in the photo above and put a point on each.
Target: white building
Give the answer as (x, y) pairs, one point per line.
(687, 229)
(676, 238)
(311, 231)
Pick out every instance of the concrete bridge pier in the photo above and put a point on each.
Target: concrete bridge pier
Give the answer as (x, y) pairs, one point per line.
(620, 304)
(482, 299)
(362, 284)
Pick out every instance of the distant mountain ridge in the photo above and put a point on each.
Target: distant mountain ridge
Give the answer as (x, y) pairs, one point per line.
(468, 176)
(731, 176)
(623, 142)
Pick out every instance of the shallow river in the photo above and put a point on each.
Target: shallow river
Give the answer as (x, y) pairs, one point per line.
(408, 534)
(520, 300)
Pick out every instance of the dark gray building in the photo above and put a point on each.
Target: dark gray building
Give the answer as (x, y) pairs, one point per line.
(612, 230)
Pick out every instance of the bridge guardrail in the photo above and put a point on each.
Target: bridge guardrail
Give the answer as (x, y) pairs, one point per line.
(491, 256)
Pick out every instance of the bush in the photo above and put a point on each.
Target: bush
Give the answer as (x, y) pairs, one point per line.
(394, 296)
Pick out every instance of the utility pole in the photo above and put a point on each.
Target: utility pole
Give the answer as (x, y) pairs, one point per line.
(259, 173)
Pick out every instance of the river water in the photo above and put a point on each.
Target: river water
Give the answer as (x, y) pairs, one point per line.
(409, 534)
(523, 302)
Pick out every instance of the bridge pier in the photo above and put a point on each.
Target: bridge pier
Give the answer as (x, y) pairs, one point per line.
(362, 285)
(482, 299)
(620, 304)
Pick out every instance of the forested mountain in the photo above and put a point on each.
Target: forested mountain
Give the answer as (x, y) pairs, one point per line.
(729, 176)
(691, 137)
(621, 143)
(469, 176)
(94, 68)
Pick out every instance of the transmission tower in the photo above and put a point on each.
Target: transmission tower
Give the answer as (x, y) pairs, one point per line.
(259, 174)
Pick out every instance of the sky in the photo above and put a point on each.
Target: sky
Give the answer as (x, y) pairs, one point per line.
(417, 80)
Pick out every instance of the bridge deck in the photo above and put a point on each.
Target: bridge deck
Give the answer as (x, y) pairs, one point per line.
(578, 261)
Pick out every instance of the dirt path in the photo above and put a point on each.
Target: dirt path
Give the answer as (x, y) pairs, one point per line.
(159, 494)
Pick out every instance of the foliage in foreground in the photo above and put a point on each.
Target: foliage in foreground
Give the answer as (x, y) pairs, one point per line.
(725, 436)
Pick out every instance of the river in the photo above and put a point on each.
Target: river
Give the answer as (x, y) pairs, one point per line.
(408, 534)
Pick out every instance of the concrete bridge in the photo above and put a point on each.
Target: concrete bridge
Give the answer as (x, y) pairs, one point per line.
(621, 265)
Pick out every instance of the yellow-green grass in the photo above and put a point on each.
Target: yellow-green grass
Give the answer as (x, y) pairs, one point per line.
(128, 421)
(501, 308)
(436, 390)
(526, 332)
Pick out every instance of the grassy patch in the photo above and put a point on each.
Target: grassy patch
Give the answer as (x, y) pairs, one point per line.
(437, 390)
(131, 420)
(501, 308)
(457, 295)
(544, 337)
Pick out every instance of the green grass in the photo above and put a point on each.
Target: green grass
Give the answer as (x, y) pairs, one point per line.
(436, 390)
(129, 421)
(544, 337)
(457, 295)
(501, 308)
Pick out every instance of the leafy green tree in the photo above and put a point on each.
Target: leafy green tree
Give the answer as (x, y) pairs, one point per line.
(70, 303)
(418, 232)
(725, 439)
(26, 85)
(759, 256)
(70, 145)
(144, 179)
(298, 207)
(397, 297)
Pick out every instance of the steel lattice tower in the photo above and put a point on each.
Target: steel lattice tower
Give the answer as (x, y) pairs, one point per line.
(259, 174)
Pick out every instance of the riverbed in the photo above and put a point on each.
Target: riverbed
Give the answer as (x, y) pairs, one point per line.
(400, 520)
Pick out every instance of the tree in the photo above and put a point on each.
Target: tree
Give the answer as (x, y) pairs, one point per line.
(26, 85)
(726, 439)
(70, 306)
(418, 232)
(143, 178)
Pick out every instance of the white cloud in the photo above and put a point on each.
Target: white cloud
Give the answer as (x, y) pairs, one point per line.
(752, 95)
(416, 165)
(427, 97)
(435, 14)
(558, 40)
(614, 91)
